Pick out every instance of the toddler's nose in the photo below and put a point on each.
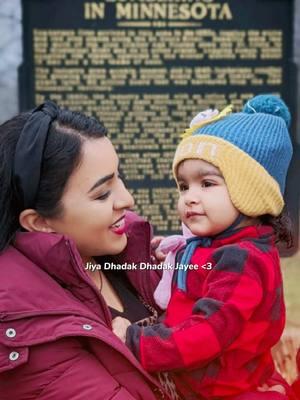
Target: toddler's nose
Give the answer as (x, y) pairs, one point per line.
(192, 197)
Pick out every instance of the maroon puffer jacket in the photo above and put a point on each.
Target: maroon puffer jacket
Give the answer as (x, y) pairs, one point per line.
(56, 341)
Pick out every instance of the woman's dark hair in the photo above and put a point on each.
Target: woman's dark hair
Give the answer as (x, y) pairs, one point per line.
(282, 226)
(62, 154)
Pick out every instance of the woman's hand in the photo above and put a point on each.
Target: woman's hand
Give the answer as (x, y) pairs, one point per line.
(120, 326)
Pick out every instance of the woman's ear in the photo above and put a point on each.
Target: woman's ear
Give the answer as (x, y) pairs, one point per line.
(30, 220)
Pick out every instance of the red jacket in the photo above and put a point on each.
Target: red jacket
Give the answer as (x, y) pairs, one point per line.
(217, 335)
(55, 328)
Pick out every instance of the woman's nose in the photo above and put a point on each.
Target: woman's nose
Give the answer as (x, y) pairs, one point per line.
(124, 198)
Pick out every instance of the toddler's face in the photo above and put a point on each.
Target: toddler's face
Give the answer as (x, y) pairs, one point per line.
(204, 204)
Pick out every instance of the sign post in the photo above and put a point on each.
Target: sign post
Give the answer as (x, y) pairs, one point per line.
(147, 67)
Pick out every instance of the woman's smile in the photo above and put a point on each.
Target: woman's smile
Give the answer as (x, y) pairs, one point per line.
(119, 227)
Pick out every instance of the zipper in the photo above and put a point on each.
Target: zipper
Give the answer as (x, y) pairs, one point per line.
(143, 282)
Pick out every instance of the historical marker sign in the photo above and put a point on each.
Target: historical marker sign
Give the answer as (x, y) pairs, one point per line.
(147, 67)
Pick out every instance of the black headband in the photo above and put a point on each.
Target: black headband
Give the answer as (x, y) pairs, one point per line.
(29, 152)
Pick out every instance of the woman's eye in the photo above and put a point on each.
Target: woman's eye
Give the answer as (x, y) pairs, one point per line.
(103, 196)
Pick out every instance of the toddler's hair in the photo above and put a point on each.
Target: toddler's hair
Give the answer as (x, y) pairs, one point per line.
(282, 226)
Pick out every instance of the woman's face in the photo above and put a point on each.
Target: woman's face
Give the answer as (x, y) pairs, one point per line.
(94, 202)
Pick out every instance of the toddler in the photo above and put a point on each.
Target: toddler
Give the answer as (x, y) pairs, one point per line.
(221, 322)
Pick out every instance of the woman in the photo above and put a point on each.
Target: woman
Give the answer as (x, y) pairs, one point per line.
(62, 204)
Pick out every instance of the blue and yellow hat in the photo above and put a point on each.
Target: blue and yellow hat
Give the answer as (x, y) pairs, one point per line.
(252, 149)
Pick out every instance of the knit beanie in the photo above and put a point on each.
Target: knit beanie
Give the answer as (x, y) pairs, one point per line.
(252, 149)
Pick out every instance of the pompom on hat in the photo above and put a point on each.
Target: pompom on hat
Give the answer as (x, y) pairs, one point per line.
(252, 149)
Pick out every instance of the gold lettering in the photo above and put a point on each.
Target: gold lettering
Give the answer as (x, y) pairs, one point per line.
(198, 11)
(94, 10)
(184, 11)
(173, 11)
(135, 11)
(213, 10)
(160, 10)
(225, 12)
(146, 11)
(123, 11)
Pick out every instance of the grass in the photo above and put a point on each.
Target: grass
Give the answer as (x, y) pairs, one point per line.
(285, 351)
(291, 280)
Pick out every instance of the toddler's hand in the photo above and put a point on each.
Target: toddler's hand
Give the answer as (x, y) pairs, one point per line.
(274, 388)
(157, 254)
(120, 326)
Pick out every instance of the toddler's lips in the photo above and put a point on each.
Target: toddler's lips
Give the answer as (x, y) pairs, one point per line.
(119, 226)
(190, 214)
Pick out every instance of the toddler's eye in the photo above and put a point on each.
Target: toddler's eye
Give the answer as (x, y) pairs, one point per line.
(182, 187)
(207, 184)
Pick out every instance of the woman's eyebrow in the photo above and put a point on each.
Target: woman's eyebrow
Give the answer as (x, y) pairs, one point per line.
(101, 181)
